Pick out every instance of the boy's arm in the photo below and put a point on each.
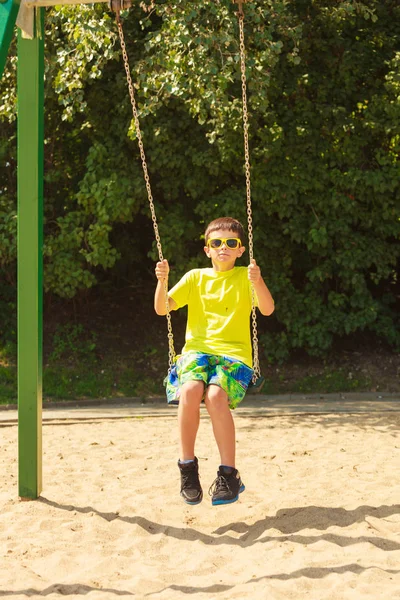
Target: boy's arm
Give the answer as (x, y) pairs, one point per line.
(160, 305)
(265, 301)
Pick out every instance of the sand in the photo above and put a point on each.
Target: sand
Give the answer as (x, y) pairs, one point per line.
(320, 517)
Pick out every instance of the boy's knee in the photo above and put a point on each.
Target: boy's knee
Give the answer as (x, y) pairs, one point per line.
(192, 392)
(216, 398)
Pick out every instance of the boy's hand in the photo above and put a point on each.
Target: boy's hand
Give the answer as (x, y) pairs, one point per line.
(162, 270)
(254, 271)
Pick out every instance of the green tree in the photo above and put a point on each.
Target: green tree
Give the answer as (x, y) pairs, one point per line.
(323, 88)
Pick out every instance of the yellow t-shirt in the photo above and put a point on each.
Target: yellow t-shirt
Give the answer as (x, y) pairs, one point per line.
(219, 308)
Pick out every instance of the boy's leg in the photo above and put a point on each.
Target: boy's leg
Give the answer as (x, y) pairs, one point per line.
(188, 422)
(189, 417)
(228, 485)
(217, 404)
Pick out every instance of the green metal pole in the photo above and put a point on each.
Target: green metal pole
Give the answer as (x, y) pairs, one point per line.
(30, 85)
(8, 15)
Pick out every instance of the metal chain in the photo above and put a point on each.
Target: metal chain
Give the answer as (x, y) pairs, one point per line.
(256, 362)
(171, 349)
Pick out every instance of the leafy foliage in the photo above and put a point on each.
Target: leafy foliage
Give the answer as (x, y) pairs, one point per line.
(324, 102)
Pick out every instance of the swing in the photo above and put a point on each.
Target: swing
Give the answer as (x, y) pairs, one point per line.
(257, 380)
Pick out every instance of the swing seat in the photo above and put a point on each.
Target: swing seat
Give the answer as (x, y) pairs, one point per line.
(256, 387)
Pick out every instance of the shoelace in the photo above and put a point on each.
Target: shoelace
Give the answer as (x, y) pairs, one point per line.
(220, 484)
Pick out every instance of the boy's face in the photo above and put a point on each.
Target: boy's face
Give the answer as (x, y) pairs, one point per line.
(223, 257)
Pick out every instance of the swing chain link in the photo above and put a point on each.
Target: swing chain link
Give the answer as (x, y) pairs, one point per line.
(171, 349)
(256, 362)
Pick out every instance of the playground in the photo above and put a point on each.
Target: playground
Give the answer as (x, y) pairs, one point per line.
(320, 517)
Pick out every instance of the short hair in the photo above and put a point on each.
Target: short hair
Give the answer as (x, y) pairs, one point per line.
(228, 224)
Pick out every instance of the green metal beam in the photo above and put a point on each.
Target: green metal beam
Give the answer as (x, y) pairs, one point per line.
(30, 85)
(8, 16)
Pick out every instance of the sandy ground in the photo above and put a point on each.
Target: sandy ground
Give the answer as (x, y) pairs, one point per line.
(320, 517)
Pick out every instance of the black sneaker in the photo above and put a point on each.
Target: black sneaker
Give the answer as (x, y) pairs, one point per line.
(227, 486)
(191, 490)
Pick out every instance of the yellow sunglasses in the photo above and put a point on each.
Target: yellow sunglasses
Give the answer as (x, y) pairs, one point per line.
(231, 243)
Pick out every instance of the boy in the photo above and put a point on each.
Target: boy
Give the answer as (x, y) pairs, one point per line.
(216, 361)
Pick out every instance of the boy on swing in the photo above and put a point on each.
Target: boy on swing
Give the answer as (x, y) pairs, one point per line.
(216, 361)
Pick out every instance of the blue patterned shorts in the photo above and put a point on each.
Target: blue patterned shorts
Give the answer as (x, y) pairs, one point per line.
(230, 374)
